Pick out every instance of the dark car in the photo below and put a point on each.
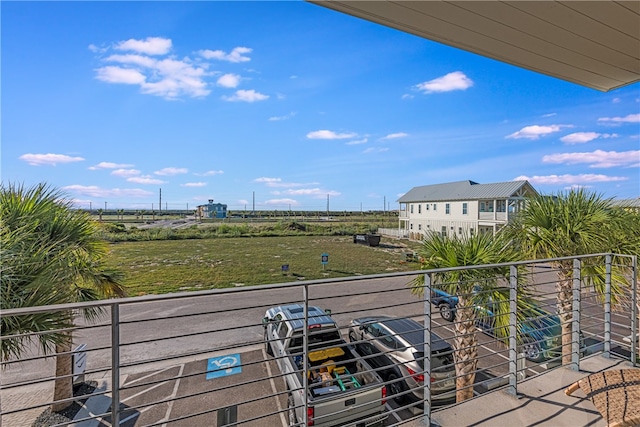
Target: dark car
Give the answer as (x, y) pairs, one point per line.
(394, 346)
(540, 332)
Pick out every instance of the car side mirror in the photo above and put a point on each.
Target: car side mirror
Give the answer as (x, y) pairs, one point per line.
(361, 327)
(328, 312)
(265, 320)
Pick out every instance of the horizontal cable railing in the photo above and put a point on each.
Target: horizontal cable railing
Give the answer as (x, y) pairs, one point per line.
(205, 357)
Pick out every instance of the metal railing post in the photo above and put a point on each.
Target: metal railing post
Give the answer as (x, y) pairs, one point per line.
(305, 353)
(427, 349)
(115, 364)
(513, 342)
(575, 323)
(635, 331)
(607, 308)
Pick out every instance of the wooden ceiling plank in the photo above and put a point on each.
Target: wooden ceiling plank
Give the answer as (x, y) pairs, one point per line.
(610, 14)
(536, 27)
(560, 15)
(498, 30)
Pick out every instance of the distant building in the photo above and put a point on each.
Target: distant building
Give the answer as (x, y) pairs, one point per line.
(212, 210)
(463, 207)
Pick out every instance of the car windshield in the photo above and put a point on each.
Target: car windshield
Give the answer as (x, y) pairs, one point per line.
(440, 361)
(541, 319)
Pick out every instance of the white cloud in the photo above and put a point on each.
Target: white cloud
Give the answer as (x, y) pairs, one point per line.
(583, 137)
(631, 118)
(358, 141)
(277, 182)
(407, 96)
(597, 158)
(285, 117)
(447, 83)
(171, 171)
(113, 74)
(166, 77)
(328, 134)
(269, 181)
(125, 172)
(109, 165)
(236, 55)
(49, 159)
(145, 180)
(549, 115)
(375, 150)
(194, 184)
(394, 136)
(536, 131)
(281, 202)
(229, 80)
(246, 96)
(94, 191)
(210, 173)
(570, 179)
(315, 192)
(149, 46)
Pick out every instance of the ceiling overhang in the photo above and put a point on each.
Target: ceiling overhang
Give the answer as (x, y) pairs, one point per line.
(591, 43)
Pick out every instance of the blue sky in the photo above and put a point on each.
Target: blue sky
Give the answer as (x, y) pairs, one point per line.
(285, 103)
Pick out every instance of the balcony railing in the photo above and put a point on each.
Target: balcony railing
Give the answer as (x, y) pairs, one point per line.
(194, 358)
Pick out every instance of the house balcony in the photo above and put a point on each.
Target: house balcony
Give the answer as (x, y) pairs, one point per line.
(198, 358)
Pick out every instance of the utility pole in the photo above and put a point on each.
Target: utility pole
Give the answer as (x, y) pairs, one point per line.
(105, 206)
(253, 210)
(327, 206)
(90, 207)
(160, 204)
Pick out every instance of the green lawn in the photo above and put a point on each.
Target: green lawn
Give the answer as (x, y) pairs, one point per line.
(156, 267)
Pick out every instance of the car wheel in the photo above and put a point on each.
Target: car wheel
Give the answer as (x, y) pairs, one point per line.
(267, 346)
(395, 387)
(291, 411)
(532, 350)
(447, 313)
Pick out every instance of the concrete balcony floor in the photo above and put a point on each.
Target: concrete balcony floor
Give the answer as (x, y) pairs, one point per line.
(540, 402)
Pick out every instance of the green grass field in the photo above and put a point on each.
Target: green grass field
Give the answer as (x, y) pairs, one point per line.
(157, 267)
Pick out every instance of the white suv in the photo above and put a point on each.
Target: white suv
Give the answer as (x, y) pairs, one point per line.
(401, 340)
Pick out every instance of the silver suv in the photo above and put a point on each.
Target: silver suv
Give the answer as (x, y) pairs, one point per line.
(398, 340)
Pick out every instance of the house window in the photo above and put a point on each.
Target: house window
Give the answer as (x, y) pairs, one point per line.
(435, 207)
(411, 226)
(419, 208)
(464, 209)
(419, 227)
(447, 209)
(501, 206)
(412, 208)
(459, 230)
(471, 231)
(444, 231)
(426, 207)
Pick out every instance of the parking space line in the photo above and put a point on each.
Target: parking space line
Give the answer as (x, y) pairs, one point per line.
(150, 375)
(173, 395)
(144, 391)
(284, 421)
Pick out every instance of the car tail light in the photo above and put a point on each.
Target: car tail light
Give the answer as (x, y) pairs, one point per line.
(384, 395)
(310, 415)
(418, 377)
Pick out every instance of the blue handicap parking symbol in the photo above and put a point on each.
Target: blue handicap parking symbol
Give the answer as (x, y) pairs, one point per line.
(223, 366)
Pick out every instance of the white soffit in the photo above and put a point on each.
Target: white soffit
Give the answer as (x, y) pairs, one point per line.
(594, 43)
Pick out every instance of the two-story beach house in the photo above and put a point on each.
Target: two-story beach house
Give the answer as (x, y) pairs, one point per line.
(463, 207)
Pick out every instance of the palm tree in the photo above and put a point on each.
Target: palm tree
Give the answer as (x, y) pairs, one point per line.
(571, 223)
(473, 287)
(40, 228)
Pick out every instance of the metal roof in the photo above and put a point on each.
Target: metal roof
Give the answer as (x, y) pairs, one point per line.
(467, 190)
(591, 43)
